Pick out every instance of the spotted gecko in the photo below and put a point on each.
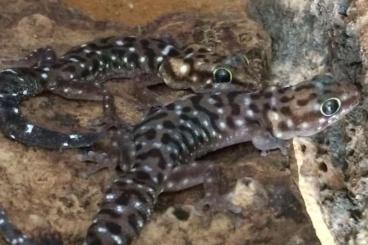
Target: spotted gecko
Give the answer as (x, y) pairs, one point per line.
(81, 72)
(166, 144)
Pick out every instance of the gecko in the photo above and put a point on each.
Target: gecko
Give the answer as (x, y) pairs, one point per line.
(166, 143)
(81, 72)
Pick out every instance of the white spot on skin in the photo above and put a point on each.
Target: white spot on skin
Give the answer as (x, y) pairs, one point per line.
(119, 42)
(66, 90)
(289, 123)
(132, 49)
(211, 101)
(322, 120)
(247, 101)
(11, 71)
(102, 229)
(188, 55)
(304, 125)
(25, 92)
(87, 51)
(166, 50)
(44, 75)
(113, 57)
(273, 101)
(74, 136)
(12, 136)
(15, 110)
(159, 127)
(185, 181)
(65, 144)
(239, 122)
(29, 128)
(220, 111)
(170, 185)
(117, 239)
(98, 52)
(82, 65)
(2, 221)
(46, 69)
(71, 76)
(159, 59)
(142, 59)
(119, 208)
(184, 69)
(250, 113)
(157, 144)
(125, 59)
(73, 59)
(110, 196)
(278, 135)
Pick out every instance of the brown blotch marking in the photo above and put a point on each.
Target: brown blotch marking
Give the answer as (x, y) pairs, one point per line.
(254, 108)
(254, 96)
(188, 51)
(282, 126)
(168, 124)
(129, 39)
(113, 228)
(305, 101)
(286, 111)
(285, 98)
(282, 90)
(110, 212)
(187, 109)
(150, 134)
(132, 220)
(302, 102)
(235, 109)
(268, 95)
(230, 122)
(144, 42)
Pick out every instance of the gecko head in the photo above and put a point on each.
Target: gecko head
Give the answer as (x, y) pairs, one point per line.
(200, 68)
(312, 106)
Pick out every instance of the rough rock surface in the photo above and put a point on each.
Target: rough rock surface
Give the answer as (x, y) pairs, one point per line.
(310, 37)
(42, 191)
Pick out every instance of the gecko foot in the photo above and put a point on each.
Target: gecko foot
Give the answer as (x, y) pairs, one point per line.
(216, 204)
(96, 162)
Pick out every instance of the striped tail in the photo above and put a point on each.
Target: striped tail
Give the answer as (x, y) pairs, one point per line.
(127, 205)
(16, 127)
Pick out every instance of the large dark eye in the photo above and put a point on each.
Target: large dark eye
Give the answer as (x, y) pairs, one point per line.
(222, 75)
(330, 106)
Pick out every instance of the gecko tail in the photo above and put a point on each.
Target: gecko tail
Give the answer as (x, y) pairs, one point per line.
(16, 127)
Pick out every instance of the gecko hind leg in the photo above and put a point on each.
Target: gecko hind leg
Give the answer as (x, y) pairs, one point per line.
(208, 174)
(120, 154)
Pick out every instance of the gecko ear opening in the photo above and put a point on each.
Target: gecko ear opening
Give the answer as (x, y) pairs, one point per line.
(222, 75)
(330, 107)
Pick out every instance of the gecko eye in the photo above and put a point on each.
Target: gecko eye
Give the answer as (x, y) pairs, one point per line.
(330, 107)
(222, 75)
